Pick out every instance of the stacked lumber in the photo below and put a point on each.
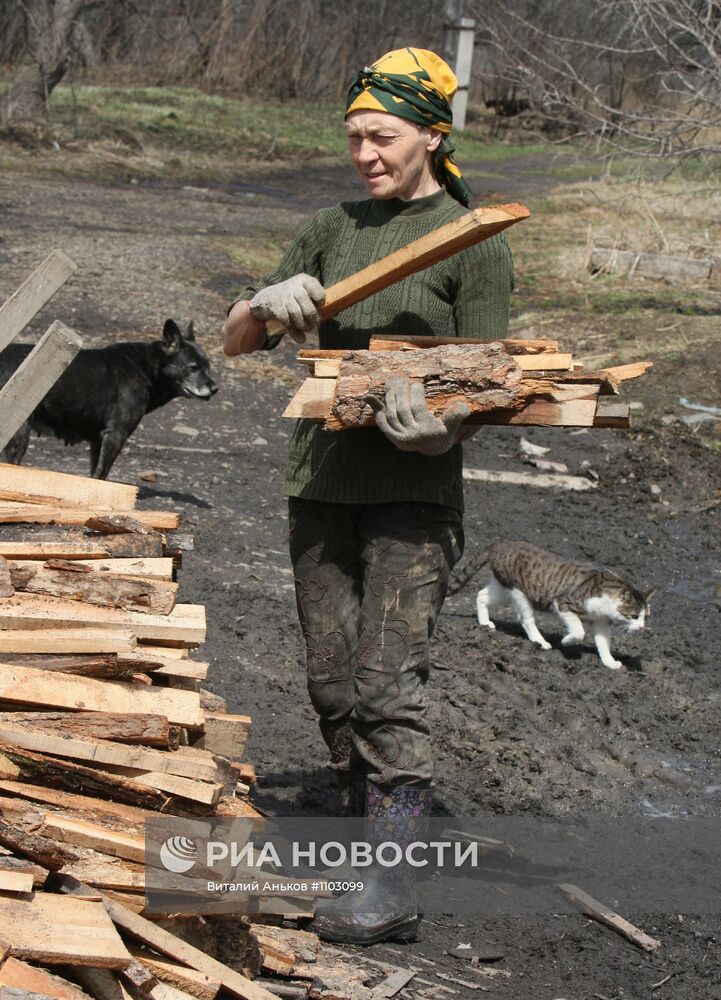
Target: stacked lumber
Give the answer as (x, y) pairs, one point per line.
(528, 382)
(103, 723)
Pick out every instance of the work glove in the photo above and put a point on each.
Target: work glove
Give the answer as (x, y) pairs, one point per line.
(407, 422)
(293, 302)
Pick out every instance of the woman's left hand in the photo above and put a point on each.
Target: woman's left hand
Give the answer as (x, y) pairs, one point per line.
(405, 419)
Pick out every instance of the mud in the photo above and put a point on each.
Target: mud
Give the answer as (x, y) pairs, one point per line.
(515, 730)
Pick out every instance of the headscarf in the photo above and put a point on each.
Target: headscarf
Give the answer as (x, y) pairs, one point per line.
(417, 85)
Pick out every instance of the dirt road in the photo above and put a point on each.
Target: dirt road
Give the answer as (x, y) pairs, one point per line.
(516, 731)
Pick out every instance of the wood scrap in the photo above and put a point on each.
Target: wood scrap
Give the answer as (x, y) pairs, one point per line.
(196, 984)
(122, 524)
(143, 594)
(133, 815)
(41, 850)
(605, 915)
(31, 542)
(225, 734)
(67, 640)
(6, 584)
(35, 513)
(15, 882)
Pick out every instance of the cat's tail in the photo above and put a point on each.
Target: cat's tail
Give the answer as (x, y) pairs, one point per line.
(459, 580)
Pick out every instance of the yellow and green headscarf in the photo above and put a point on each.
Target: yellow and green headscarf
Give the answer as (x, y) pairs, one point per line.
(417, 85)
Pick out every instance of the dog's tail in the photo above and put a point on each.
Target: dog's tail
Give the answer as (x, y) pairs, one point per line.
(474, 564)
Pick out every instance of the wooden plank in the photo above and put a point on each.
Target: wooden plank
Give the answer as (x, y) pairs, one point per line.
(68, 640)
(147, 595)
(31, 296)
(24, 484)
(605, 915)
(148, 730)
(37, 374)
(469, 229)
(15, 882)
(52, 929)
(28, 686)
(181, 951)
(391, 342)
(195, 983)
(28, 977)
(102, 665)
(205, 793)
(620, 373)
(185, 625)
(38, 513)
(102, 752)
(80, 833)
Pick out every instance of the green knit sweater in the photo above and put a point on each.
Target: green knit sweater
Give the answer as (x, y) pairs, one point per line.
(464, 296)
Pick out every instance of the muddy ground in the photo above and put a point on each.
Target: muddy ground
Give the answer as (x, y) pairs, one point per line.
(515, 731)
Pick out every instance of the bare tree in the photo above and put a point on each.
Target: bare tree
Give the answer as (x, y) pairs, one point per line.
(642, 75)
(49, 28)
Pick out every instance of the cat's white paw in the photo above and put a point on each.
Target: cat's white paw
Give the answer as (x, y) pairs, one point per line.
(488, 625)
(613, 664)
(542, 643)
(570, 639)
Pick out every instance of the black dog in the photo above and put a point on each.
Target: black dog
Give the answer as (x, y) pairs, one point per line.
(105, 392)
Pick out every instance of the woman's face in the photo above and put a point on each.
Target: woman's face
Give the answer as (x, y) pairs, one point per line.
(393, 156)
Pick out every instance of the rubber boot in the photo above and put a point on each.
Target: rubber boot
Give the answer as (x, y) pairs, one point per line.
(386, 908)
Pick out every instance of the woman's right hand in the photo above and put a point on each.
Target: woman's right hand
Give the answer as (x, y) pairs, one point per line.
(294, 303)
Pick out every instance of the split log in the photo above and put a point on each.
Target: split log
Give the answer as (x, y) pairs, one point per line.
(184, 626)
(105, 752)
(225, 734)
(605, 915)
(38, 769)
(27, 686)
(142, 594)
(147, 730)
(484, 377)
(28, 977)
(52, 929)
(35, 513)
(41, 850)
(28, 542)
(131, 815)
(20, 482)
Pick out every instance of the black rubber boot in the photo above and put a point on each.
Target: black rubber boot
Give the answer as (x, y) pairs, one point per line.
(385, 909)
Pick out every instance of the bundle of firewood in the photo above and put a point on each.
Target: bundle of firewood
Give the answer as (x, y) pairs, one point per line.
(502, 382)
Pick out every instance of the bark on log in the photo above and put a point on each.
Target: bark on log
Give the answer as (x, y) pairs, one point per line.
(100, 665)
(40, 850)
(143, 594)
(38, 769)
(484, 377)
(143, 730)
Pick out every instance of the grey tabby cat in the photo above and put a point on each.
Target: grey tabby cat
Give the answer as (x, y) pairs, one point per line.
(532, 578)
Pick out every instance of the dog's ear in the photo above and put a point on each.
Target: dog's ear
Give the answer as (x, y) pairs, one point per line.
(171, 336)
(189, 333)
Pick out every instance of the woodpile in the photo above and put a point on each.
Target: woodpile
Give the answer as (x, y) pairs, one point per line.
(103, 723)
(527, 382)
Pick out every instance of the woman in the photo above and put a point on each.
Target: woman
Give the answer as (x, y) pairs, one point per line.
(376, 514)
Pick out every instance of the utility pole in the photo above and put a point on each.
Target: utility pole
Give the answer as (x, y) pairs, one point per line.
(457, 50)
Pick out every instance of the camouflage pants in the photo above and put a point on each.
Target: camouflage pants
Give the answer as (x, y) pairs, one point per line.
(370, 581)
